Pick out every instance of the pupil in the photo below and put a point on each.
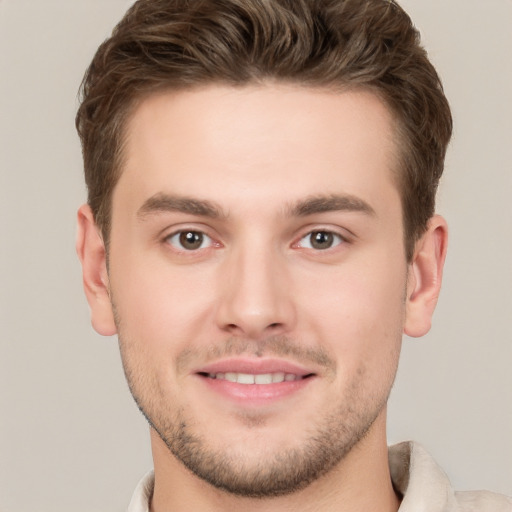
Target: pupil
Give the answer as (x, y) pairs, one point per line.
(321, 240)
(191, 240)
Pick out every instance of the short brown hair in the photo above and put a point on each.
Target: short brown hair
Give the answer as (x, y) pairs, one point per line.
(176, 44)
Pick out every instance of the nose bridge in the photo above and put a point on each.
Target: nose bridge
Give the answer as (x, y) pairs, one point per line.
(254, 299)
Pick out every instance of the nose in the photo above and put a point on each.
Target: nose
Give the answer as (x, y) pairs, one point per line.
(256, 294)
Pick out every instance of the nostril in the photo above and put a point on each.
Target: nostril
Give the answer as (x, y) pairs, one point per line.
(233, 329)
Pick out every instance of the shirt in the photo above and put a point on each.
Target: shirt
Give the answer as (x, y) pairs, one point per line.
(415, 475)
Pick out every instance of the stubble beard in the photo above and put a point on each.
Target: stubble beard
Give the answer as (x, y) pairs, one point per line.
(286, 471)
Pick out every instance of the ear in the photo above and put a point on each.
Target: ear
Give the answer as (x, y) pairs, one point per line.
(91, 252)
(424, 277)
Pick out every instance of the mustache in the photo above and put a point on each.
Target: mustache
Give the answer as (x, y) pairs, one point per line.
(272, 346)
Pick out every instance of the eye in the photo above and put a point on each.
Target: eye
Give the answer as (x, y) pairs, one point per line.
(320, 240)
(189, 240)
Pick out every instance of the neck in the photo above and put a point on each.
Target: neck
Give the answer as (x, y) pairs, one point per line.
(360, 482)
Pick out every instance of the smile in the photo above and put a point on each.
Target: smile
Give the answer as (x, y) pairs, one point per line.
(254, 383)
(262, 378)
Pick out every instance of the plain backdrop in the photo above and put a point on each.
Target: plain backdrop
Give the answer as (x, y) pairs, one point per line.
(70, 437)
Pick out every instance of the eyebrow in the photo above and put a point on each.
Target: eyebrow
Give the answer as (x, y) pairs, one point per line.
(161, 203)
(333, 202)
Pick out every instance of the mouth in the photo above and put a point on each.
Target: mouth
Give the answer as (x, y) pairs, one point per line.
(253, 382)
(256, 378)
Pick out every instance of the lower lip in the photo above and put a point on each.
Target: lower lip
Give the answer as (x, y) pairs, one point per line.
(256, 394)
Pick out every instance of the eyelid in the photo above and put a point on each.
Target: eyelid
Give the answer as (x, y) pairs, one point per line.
(344, 237)
(206, 240)
(178, 230)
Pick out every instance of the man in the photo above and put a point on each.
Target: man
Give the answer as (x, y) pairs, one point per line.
(260, 232)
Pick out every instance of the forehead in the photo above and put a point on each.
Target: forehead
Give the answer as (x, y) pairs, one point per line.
(273, 140)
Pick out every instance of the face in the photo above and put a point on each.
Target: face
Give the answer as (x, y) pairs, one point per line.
(258, 278)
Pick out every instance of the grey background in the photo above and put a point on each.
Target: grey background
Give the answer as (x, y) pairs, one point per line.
(70, 437)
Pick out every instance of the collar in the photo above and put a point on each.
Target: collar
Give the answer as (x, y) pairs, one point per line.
(422, 483)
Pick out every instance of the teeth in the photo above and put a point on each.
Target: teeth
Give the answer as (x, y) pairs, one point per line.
(279, 377)
(247, 378)
(264, 378)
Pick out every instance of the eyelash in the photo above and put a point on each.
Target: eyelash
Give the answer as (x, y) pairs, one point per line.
(335, 238)
(178, 245)
(204, 241)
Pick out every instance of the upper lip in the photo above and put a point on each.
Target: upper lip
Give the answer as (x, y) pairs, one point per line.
(254, 367)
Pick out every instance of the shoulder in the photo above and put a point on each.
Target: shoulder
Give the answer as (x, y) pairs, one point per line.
(483, 501)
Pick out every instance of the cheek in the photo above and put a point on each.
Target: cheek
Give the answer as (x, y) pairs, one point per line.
(359, 312)
(159, 308)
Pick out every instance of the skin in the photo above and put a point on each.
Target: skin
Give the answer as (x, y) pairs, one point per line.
(255, 171)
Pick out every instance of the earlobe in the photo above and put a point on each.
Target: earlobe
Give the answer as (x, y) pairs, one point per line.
(91, 252)
(425, 276)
